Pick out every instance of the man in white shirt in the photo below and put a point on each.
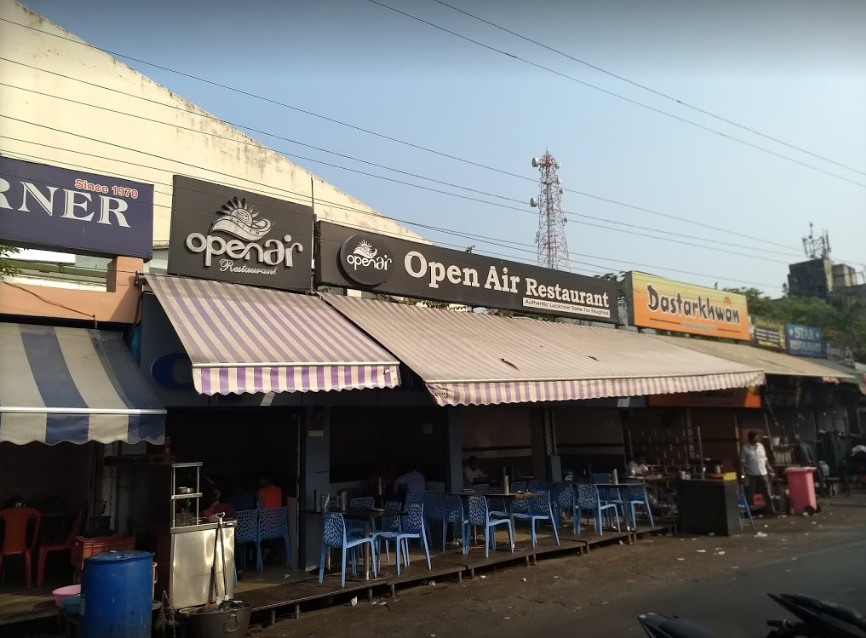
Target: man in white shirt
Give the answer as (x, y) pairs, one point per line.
(637, 467)
(473, 474)
(756, 467)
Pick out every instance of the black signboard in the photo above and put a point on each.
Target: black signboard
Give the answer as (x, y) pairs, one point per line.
(366, 261)
(227, 234)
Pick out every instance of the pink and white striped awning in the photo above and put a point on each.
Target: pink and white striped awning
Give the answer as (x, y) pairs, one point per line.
(472, 359)
(242, 339)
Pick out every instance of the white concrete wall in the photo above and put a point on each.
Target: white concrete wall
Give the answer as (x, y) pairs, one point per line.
(211, 150)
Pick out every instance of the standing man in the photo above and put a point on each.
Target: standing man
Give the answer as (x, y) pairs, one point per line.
(756, 468)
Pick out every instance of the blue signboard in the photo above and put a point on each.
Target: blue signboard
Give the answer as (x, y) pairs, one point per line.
(56, 208)
(804, 341)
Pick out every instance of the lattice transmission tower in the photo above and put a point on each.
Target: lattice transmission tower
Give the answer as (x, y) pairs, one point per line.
(550, 238)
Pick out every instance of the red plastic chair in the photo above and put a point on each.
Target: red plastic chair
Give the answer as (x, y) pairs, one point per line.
(74, 531)
(15, 521)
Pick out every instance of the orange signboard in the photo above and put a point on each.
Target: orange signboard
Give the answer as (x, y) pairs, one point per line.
(736, 398)
(664, 304)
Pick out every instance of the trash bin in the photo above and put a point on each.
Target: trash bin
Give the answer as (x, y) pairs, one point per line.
(801, 484)
(116, 595)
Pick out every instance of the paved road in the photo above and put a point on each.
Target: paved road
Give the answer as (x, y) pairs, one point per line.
(735, 608)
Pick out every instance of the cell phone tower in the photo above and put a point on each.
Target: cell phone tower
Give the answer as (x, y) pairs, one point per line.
(550, 238)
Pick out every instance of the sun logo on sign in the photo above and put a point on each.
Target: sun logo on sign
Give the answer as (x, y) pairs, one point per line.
(365, 250)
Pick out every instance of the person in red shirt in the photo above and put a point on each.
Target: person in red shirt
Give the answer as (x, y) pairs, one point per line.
(269, 495)
(218, 507)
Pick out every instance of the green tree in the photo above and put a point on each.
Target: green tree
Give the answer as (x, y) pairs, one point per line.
(842, 321)
(7, 268)
(619, 278)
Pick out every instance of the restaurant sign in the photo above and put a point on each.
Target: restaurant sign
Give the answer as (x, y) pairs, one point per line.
(767, 333)
(734, 398)
(664, 304)
(226, 234)
(354, 259)
(804, 341)
(56, 208)
(839, 353)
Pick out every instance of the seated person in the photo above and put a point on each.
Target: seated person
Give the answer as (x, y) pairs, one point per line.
(413, 481)
(473, 474)
(269, 495)
(637, 467)
(218, 507)
(242, 497)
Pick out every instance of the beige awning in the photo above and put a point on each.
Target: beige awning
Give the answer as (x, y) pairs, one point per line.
(473, 359)
(771, 362)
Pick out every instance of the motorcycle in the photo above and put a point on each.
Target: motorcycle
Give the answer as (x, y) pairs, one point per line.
(815, 619)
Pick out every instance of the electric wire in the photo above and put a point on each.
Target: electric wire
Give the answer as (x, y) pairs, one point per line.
(391, 138)
(619, 96)
(661, 94)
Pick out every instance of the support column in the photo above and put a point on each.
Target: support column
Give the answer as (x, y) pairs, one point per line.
(538, 437)
(454, 469)
(315, 480)
(554, 464)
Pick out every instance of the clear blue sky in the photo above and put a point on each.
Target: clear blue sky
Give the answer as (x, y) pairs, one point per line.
(793, 70)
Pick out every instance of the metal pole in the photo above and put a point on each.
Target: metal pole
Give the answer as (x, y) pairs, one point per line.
(701, 452)
(313, 244)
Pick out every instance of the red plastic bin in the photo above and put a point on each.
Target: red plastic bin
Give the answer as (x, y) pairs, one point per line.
(801, 484)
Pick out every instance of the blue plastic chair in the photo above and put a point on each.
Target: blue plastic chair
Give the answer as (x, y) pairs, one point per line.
(586, 499)
(273, 524)
(537, 485)
(334, 535)
(391, 526)
(414, 528)
(563, 499)
(361, 503)
(636, 496)
(743, 505)
(355, 529)
(246, 531)
(419, 499)
(519, 486)
(601, 477)
(613, 496)
(480, 515)
(538, 509)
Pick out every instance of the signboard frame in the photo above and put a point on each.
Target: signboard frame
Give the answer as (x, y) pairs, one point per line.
(665, 304)
(804, 341)
(352, 258)
(228, 234)
(53, 208)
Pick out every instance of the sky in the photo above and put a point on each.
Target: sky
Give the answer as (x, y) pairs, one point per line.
(791, 70)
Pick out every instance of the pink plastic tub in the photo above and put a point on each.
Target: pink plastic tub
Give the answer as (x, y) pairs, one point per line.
(65, 592)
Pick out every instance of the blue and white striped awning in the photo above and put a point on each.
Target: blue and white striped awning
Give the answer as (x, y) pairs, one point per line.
(73, 385)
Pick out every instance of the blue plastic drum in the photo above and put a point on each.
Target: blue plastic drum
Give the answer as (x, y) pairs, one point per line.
(116, 595)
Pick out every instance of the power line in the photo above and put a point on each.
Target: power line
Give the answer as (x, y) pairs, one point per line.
(651, 90)
(360, 160)
(617, 95)
(418, 186)
(390, 138)
(303, 197)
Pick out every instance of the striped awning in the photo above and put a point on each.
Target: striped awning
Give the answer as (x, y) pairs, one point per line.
(473, 359)
(771, 362)
(73, 385)
(242, 339)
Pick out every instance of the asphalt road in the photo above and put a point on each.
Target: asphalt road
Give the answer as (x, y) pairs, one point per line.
(734, 607)
(720, 582)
